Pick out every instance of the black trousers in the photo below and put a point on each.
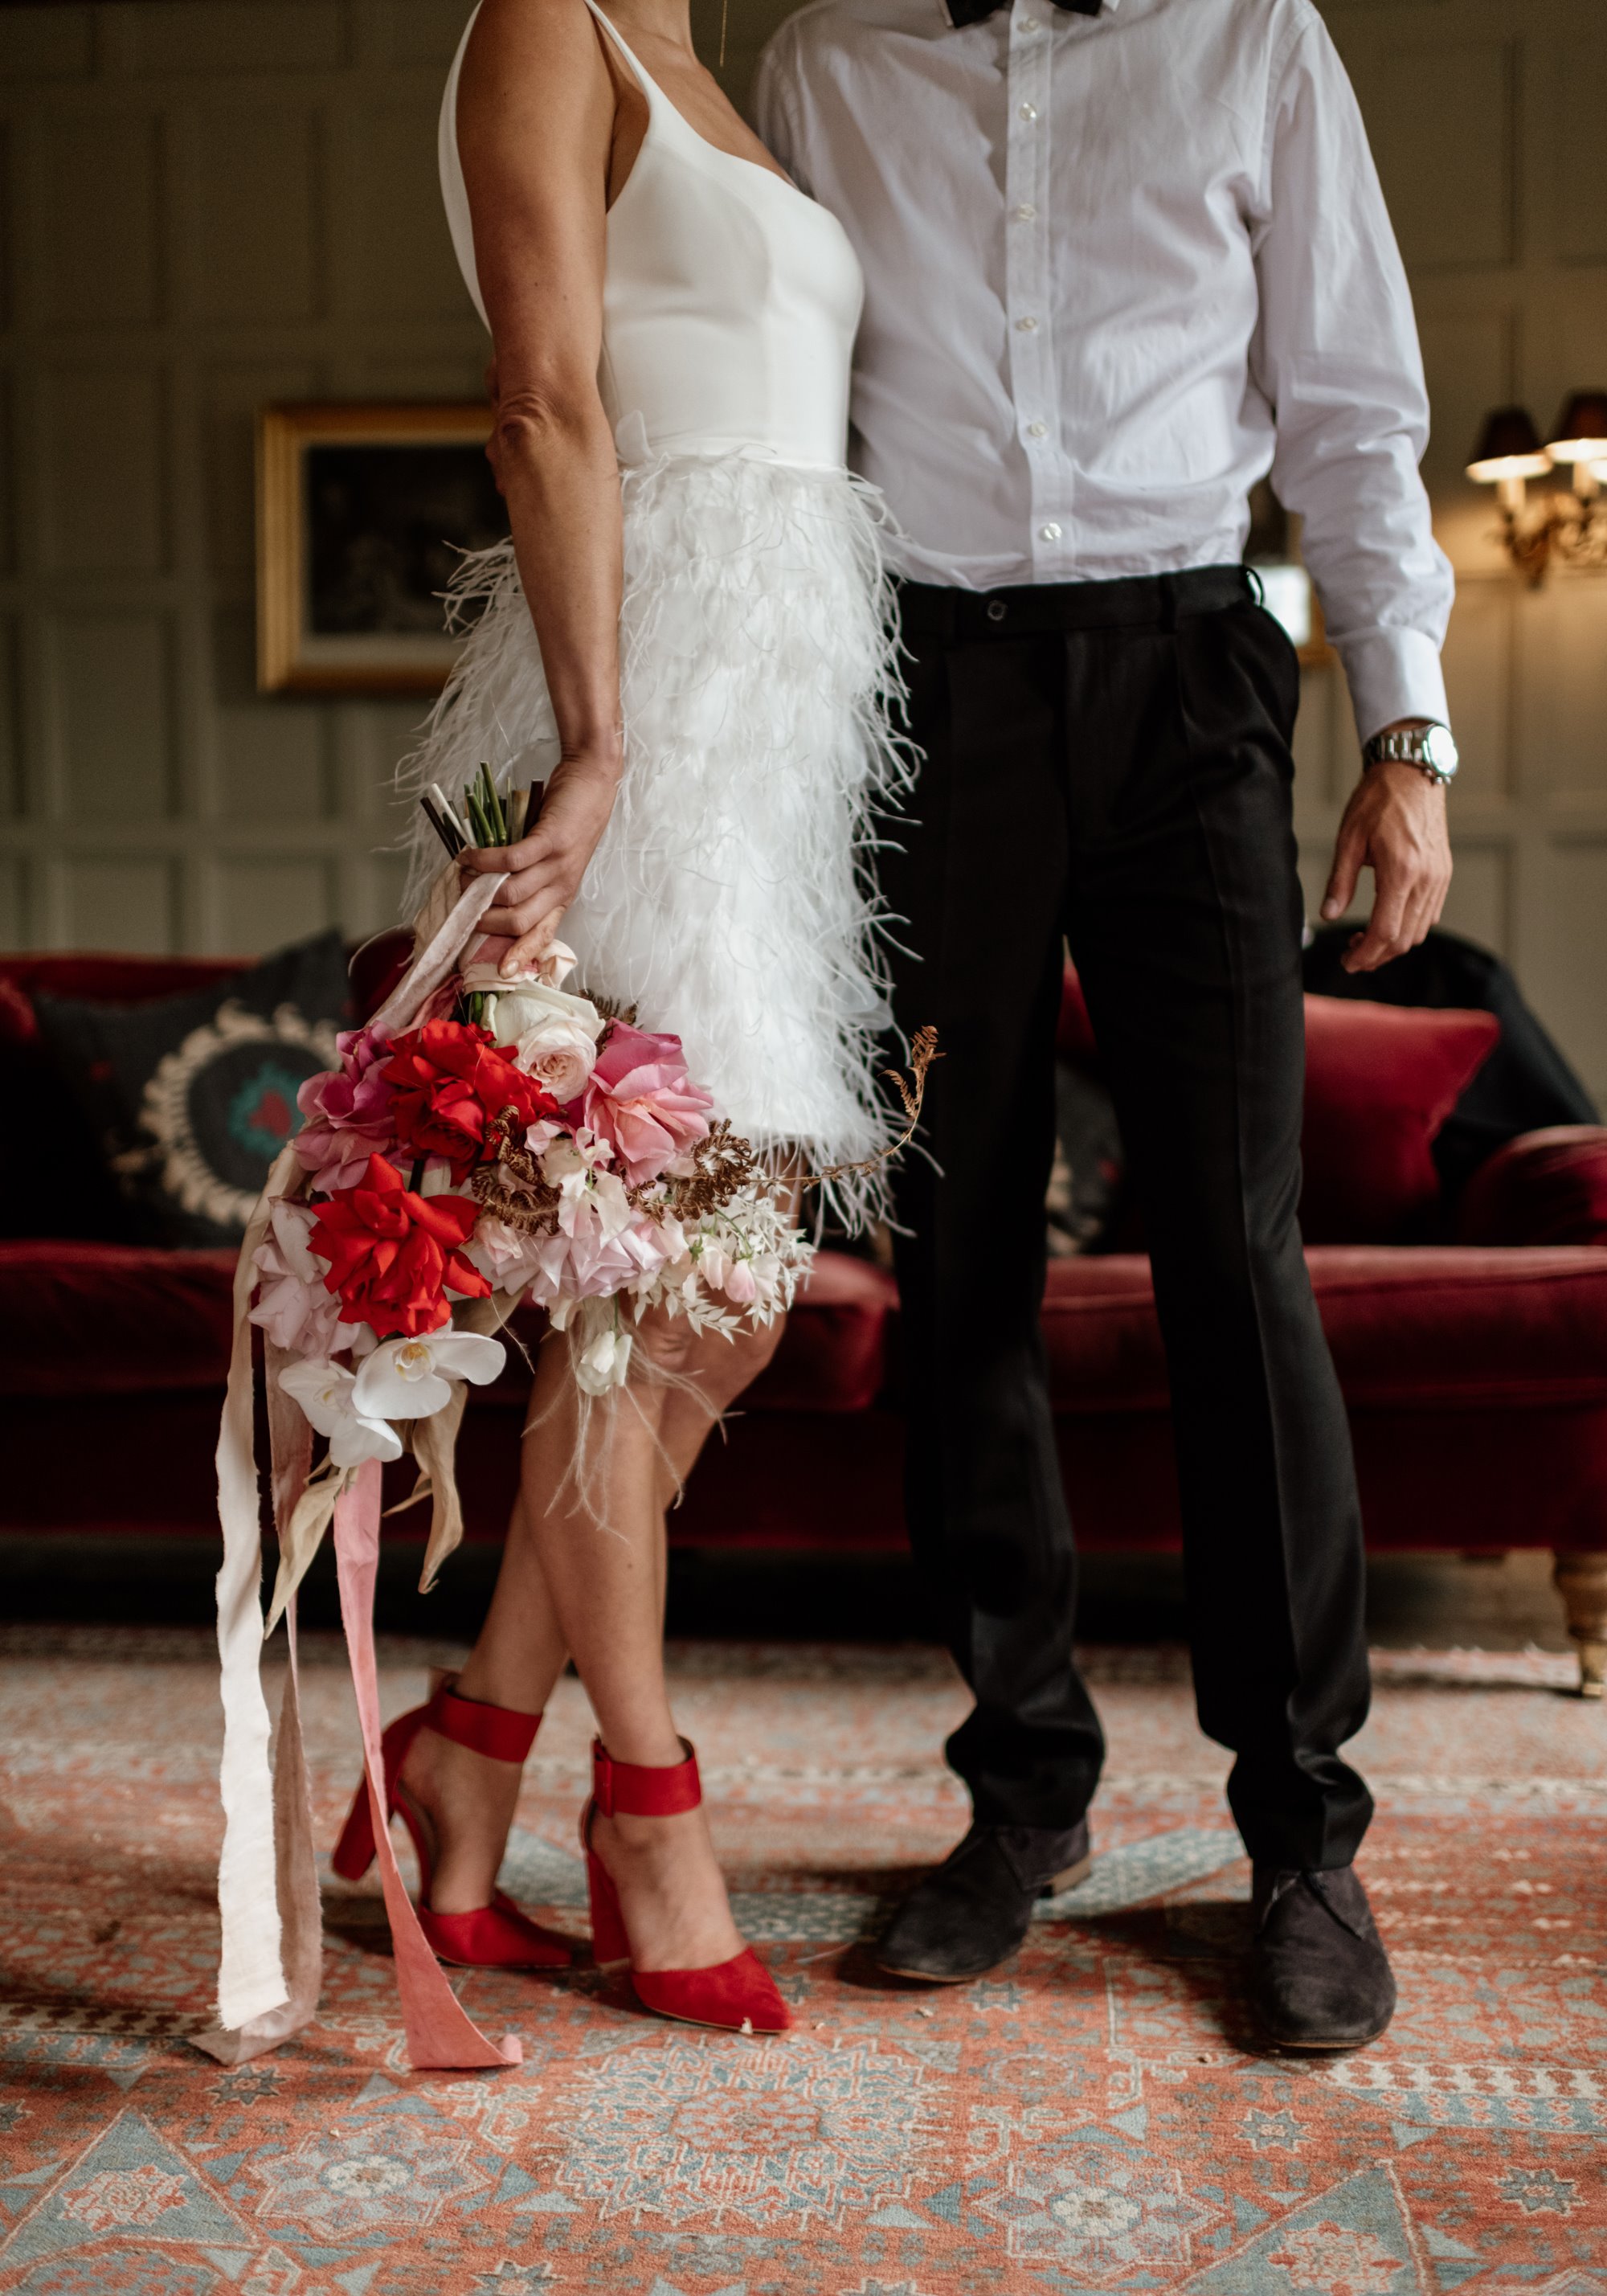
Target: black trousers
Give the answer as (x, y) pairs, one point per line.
(1110, 762)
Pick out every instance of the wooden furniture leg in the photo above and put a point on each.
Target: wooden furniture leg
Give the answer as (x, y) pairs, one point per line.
(1581, 1581)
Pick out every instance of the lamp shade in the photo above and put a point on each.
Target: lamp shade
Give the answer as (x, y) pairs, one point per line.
(1509, 448)
(1581, 428)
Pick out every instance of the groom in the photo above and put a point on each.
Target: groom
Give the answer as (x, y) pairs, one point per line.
(1123, 258)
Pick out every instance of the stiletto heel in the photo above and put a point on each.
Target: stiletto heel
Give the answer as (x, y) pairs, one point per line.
(609, 1944)
(739, 1995)
(497, 1936)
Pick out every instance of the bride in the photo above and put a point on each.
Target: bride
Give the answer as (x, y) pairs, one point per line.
(687, 640)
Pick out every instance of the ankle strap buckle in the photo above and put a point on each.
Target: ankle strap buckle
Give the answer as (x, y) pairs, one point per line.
(644, 1789)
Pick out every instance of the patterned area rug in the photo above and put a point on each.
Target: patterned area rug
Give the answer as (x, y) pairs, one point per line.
(1097, 2118)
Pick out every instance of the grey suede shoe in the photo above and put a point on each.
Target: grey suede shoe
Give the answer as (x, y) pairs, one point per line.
(973, 1912)
(1319, 1978)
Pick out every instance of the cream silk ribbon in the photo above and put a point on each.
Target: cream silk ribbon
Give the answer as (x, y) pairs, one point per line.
(267, 1888)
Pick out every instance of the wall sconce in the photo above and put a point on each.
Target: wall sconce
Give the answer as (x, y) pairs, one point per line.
(1572, 526)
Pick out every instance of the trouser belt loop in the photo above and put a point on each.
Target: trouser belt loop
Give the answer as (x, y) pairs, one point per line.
(1168, 603)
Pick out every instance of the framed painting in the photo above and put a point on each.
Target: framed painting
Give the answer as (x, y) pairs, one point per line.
(362, 510)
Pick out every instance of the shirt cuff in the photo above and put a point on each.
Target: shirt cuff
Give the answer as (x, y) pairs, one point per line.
(1393, 674)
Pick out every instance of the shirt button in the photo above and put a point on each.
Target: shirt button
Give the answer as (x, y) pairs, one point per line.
(1038, 430)
(1028, 24)
(1026, 326)
(1028, 111)
(1026, 212)
(1049, 533)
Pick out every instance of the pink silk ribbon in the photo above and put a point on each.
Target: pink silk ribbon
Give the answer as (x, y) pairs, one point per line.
(267, 1885)
(440, 2034)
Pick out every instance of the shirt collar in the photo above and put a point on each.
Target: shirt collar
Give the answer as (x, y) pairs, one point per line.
(1107, 8)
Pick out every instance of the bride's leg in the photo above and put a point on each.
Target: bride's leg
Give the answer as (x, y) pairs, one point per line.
(469, 1801)
(727, 1368)
(520, 1650)
(606, 1578)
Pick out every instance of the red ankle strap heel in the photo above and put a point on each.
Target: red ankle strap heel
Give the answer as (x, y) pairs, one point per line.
(739, 1996)
(643, 1789)
(497, 1936)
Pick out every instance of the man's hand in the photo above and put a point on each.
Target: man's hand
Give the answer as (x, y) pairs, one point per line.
(1395, 824)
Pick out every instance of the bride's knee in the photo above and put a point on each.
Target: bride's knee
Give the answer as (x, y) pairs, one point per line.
(725, 1368)
(720, 1367)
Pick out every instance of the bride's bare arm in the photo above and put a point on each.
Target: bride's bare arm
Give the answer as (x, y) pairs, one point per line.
(535, 123)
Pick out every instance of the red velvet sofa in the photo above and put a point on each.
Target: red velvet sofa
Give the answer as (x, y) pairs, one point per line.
(1474, 1361)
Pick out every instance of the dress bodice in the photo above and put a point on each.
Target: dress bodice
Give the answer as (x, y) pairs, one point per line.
(730, 299)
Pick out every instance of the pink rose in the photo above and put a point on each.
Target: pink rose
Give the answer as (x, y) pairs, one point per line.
(642, 1100)
(347, 1110)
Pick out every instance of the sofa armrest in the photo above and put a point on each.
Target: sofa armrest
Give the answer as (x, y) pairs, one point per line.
(1546, 1187)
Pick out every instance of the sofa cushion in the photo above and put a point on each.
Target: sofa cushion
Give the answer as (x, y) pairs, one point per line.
(1426, 1327)
(91, 1319)
(1380, 1079)
(192, 1096)
(83, 1198)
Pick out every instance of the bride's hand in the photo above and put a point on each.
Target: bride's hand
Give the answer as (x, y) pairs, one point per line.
(545, 869)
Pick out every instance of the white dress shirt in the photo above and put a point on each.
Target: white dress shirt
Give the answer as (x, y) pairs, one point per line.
(1119, 268)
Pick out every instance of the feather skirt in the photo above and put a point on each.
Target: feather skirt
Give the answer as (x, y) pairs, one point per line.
(731, 899)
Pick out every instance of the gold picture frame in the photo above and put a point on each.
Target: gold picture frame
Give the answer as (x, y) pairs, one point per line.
(362, 510)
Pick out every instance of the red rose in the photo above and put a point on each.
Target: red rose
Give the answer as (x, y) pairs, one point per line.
(450, 1082)
(391, 1253)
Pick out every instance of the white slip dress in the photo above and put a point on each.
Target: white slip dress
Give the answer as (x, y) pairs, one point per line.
(729, 900)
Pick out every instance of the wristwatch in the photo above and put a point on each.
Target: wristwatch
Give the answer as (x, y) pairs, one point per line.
(1429, 748)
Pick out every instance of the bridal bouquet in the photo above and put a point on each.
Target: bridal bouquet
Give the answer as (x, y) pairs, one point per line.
(542, 1149)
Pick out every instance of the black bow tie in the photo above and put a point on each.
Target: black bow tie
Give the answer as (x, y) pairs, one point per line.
(973, 12)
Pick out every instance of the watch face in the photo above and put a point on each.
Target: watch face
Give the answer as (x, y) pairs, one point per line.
(1439, 751)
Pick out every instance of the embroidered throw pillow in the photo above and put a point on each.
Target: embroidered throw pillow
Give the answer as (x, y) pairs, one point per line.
(191, 1097)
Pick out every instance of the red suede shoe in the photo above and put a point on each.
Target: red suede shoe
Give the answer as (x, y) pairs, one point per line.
(497, 1936)
(739, 1995)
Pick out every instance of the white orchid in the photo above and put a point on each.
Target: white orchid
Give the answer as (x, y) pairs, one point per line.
(408, 1379)
(326, 1392)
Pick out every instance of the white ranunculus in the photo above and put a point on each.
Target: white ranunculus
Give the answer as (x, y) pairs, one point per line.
(560, 1056)
(552, 1035)
(326, 1392)
(407, 1379)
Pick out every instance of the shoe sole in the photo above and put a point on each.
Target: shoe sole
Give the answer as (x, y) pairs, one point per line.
(1066, 1880)
(1326, 2048)
(515, 1968)
(704, 2025)
(932, 1977)
(1069, 1880)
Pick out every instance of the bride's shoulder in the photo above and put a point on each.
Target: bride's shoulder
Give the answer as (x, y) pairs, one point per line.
(543, 31)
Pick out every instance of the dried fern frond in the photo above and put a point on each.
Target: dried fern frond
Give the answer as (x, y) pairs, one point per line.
(912, 1092)
(722, 1166)
(514, 1188)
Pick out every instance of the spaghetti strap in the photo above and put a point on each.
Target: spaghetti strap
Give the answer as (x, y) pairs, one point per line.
(648, 85)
